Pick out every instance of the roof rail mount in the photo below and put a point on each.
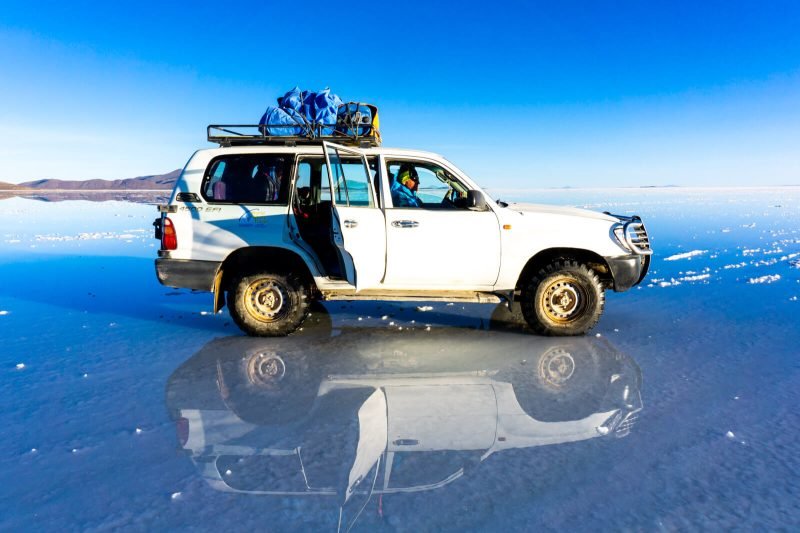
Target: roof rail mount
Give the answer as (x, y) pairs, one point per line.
(292, 134)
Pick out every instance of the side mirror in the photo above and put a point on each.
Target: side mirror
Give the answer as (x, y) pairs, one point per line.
(476, 200)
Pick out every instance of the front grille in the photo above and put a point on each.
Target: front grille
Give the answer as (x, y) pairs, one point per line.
(625, 426)
(636, 237)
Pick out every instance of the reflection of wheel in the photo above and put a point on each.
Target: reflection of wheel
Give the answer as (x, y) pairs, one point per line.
(265, 369)
(268, 305)
(563, 298)
(268, 386)
(556, 367)
(564, 383)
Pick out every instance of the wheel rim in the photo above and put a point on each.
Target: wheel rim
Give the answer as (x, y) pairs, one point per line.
(556, 367)
(266, 300)
(564, 300)
(266, 369)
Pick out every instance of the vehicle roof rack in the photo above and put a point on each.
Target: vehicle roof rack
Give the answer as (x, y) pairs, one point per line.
(261, 134)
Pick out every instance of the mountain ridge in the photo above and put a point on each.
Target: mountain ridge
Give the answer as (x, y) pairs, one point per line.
(149, 182)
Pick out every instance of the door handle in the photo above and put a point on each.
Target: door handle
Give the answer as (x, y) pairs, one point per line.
(350, 223)
(405, 223)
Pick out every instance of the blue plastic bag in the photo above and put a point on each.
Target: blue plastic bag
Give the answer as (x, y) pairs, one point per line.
(293, 100)
(302, 108)
(280, 122)
(326, 108)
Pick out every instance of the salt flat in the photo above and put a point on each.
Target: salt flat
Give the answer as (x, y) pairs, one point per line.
(91, 342)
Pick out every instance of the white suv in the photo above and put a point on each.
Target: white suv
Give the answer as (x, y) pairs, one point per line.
(275, 222)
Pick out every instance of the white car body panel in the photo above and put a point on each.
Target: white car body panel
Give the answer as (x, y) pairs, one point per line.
(449, 249)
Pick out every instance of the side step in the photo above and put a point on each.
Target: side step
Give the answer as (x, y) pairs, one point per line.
(415, 296)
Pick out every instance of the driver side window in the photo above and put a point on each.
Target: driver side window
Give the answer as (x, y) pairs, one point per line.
(415, 184)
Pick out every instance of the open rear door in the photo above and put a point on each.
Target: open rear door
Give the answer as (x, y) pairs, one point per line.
(358, 225)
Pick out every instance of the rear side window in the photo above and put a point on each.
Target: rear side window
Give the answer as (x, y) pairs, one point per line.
(248, 179)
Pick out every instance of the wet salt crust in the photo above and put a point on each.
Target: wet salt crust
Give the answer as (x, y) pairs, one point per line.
(715, 446)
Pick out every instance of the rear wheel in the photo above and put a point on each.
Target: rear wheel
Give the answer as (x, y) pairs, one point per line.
(268, 304)
(563, 298)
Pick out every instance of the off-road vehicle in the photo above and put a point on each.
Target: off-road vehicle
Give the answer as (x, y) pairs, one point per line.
(274, 222)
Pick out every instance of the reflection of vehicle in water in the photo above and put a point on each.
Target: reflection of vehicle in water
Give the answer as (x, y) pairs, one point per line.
(387, 411)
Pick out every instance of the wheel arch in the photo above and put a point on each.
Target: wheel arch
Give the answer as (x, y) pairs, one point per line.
(591, 259)
(251, 258)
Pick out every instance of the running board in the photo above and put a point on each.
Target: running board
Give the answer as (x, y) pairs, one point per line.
(409, 296)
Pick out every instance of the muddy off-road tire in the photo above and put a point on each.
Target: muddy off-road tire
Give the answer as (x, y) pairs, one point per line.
(563, 298)
(267, 304)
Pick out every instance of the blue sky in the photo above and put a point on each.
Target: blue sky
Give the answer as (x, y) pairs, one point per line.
(519, 95)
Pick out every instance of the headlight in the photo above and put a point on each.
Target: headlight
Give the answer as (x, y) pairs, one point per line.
(632, 235)
(619, 233)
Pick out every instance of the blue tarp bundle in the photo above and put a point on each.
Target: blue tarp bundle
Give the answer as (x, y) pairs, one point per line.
(297, 110)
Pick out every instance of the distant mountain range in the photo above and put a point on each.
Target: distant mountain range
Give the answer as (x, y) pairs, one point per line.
(154, 182)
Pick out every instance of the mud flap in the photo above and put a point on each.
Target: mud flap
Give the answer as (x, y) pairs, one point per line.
(219, 294)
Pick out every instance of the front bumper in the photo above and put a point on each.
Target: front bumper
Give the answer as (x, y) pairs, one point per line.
(187, 273)
(628, 270)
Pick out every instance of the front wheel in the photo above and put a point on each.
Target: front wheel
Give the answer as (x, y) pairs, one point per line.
(267, 304)
(563, 298)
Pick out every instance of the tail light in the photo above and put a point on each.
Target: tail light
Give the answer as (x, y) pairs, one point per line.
(182, 430)
(169, 239)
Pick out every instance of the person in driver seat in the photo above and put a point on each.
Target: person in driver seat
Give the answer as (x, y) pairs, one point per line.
(404, 187)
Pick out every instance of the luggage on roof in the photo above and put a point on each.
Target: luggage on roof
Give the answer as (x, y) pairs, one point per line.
(305, 117)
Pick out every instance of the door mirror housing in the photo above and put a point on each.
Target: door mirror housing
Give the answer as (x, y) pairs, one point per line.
(476, 201)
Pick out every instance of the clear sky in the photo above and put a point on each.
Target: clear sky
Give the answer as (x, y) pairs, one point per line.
(518, 94)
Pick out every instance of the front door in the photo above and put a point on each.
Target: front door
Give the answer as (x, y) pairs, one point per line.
(433, 240)
(358, 223)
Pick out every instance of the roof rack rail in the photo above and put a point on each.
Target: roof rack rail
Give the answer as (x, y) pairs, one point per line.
(264, 134)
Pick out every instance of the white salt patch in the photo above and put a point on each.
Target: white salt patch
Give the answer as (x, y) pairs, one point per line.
(86, 375)
(726, 230)
(20, 366)
(769, 278)
(112, 324)
(34, 450)
(74, 450)
(391, 323)
(427, 328)
(672, 283)
(3, 312)
(424, 308)
(228, 472)
(597, 335)
(616, 330)
(730, 435)
(737, 265)
(698, 277)
(385, 317)
(686, 255)
(138, 431)
(793, 299)
(451, 303)
(360, 319)
(175, 495)
(204, 313)
(752, 225)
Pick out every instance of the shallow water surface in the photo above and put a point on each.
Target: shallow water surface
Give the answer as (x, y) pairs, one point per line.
(130, 406)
